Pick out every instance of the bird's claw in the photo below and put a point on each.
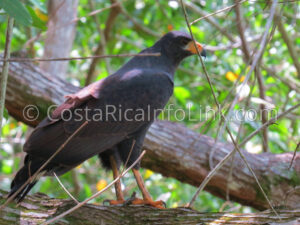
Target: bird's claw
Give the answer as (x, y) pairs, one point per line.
(113, 202)
(133, 200)
(157, 204)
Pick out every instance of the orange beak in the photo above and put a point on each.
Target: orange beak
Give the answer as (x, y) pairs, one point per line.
(191, 47)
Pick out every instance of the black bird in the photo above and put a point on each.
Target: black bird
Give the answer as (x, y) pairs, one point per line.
(119, 109)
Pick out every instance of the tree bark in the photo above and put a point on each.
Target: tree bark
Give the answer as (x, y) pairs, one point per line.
(172, 149)
(60, 35)
(39, 208)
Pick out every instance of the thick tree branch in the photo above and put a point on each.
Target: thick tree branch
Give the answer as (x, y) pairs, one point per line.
(172, 149)
(39, 208)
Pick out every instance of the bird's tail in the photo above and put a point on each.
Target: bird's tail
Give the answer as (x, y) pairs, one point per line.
(21, 184)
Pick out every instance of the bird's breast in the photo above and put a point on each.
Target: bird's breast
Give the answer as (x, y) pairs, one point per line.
(140, 94)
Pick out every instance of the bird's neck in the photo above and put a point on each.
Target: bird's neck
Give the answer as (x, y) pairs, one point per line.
(162, 62)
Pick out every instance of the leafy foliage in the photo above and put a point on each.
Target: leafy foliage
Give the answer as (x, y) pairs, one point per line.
(16, 9)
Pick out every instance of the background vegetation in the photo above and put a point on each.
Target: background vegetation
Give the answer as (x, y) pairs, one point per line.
(138, 26)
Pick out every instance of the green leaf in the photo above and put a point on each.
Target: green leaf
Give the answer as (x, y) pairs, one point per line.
(40, 5)
(16, 9)
(36, 21)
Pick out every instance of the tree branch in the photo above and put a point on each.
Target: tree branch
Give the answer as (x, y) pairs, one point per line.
(38, 208)
(114, 12)
(210, 20)
(289, 43)
(288, 80)
(137, 24)
(263, 109)
(241, 29)
(4, 71)
(172, 149)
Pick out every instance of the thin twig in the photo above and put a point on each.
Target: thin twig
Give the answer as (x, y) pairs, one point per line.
(209, 176)
(247, 60)
(230, 154)
(216, 12)
(237, 141)
(251, 170)
(32, 40)
(77, 58)
(210, 20)
(287, 80)
(289, 43)
(262, 95)
(264, 113)
(202, 63)
(271, 121)
(256, 59)
(96, 194)
(137, 23)
(241, 28)
(216, 101)
(104, 37)
(4, 74)
(229, 46)
(95, 12)
(34, 176)
(65, 189)
(130, 152)
(246, 50)
(294, 155)
(224, 32)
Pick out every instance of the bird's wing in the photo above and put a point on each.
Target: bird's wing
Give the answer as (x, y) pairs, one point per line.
(136, 89)
(73, 101)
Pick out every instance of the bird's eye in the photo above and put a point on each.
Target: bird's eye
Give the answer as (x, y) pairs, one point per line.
(184, 41)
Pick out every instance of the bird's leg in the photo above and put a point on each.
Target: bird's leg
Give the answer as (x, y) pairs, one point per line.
(119, 193)
(147, 200)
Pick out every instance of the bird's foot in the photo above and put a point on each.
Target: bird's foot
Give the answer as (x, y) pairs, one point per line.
(133, 200)
(157, 204)
(114, 202)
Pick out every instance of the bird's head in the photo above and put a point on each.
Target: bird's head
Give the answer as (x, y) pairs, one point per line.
(179, 45)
